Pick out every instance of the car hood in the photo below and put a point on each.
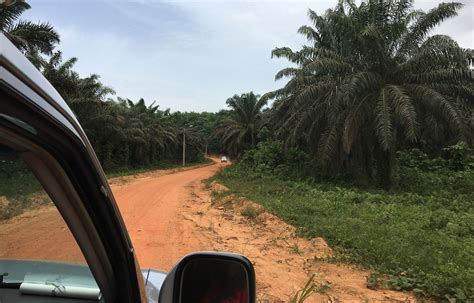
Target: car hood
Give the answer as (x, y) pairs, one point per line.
(153, 282)
(19, 271)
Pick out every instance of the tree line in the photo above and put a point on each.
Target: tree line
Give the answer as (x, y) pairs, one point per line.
(369, 82)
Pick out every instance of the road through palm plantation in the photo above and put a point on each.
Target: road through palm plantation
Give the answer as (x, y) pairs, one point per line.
(171, 213)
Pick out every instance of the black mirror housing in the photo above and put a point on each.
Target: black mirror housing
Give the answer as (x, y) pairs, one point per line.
(210, 277)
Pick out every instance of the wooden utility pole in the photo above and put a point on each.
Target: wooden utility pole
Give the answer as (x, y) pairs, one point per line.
(184, 147)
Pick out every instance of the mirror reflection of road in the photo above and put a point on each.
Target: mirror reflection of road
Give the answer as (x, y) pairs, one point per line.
(150, 207)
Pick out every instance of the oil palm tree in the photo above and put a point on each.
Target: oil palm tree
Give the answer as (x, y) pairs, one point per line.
(31, 38)
(239, 130)
(370, 81)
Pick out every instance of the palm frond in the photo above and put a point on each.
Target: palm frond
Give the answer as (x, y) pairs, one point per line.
(10, 13)
(404, 109)
(383, 121)
(286, 72)
(33, 37)
(424, 23)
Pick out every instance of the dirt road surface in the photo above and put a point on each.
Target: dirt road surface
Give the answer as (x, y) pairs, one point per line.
(171, 213)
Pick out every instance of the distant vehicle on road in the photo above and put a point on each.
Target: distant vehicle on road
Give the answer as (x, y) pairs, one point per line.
(223, 159)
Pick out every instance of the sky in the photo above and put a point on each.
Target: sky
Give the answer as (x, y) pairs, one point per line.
(192, 55)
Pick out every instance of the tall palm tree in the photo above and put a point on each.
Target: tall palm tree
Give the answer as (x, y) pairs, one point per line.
(239, 130)
(31, 38)
(370, 81)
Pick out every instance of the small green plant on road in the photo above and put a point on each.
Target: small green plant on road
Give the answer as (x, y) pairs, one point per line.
(311, 286)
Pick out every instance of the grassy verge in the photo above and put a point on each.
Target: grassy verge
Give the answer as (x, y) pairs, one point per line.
(19, 189)
(419, 236)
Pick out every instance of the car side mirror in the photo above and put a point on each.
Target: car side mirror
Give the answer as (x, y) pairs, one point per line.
(210, 277)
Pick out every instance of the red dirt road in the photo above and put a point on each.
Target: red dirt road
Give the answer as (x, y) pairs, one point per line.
(152, 210)
(149, 204)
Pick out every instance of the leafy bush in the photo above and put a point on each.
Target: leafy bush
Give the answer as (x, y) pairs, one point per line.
(415, 158)
(271, 157)
(456, 157)
(459, 156)
(266, 157)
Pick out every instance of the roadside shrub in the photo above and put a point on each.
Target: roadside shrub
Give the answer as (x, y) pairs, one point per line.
(266, 157)
(456, 157)
(415, 158)
(270, 157)
(249, 212)
(459, 156)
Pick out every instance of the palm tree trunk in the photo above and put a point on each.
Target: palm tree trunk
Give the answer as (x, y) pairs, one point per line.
(356, 164)
(385, 164)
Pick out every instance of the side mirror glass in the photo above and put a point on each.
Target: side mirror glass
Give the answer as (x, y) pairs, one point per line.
(214, 280)
(209, 278)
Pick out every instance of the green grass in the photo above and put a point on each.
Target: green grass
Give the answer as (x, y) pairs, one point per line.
(19, 189)
(419, 236)
(16, 180)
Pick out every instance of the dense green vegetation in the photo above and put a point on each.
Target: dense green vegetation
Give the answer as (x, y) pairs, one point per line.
(128, 137)
(418, 236)
(370, 82)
